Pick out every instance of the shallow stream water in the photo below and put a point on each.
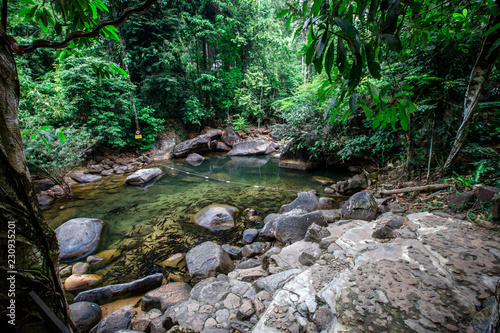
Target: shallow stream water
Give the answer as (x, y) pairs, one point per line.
(146, 225)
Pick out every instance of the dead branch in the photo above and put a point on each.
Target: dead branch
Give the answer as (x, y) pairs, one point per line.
(430, 187)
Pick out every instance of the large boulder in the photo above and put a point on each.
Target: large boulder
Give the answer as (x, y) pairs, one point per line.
(78, 238)
(230, 137)
(143, 176)
(216, 217)
(112, 292)
(85, 178)
(200, 144)
(165, 296)
(81, 281)
(307, 201)
(206, 260)
(486, 193)
(251, 147)
(213, 133)
(299, 159)
(85, 315)
(360, 206)
(292, 226)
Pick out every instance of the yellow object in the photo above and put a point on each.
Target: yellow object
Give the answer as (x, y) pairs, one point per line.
(138, 136)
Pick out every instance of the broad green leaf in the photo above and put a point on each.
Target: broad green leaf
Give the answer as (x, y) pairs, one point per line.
(492, 29)
(283, 12)
(342, 6)
(356, 72)
(393, 118)
(34, 135)
(23, 134)
(392, 42)
(23, 11)
(372, 14)
(60, 134)
(341, 55)
(44, 128)
(28, 2)
(46, 143)
(403, 117)
(94, 10)
(316, 6)
(346, 27)
(310, 53)
(373, 66)
(329, 60)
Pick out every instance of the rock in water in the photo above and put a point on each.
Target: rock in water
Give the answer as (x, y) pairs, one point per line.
(200, 144)
(206, 260)
(195, 159)
(143, 176)
(305, 200)
(85, 178)
(216, 217)
(360, 206)
(81, 281)
(85, 315)
(251, 147)
(78, 238)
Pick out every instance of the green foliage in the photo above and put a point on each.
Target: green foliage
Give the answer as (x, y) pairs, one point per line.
(239, 123)
(54, 155)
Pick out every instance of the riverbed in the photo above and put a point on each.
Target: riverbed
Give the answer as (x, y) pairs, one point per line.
(146, 225)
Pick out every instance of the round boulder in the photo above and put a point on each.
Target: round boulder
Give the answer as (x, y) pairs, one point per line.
(360, 206)
(206, 260)
(143, 176)
(78, 238)
(216, 217)
(85, 315)
(81, 281)
(195, 159)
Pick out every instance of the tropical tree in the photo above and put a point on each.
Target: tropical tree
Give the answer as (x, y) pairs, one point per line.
(352, 40)
(29, 246)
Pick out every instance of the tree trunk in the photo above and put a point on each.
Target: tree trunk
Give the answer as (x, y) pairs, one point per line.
(480, 73)
(29, 249)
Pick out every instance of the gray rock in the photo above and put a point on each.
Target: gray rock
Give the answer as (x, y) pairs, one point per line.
(112, 292)
(166, 296)
(85, 315)
(292, 226)
(246, 310)
(42, 184)
(249, 235)
(323, 317)
(210, 290)
(352, 185)
(95, 169)
(250, 147)
(221, 146)
(44, 200)
(271, 217)
(214, 330)
(195, 159)
(200, 144)
(386, 224)
(233, 251)
(309, 256)
(315, 233)
(327, 204)
(120, 319)
(107, 172)
(276, 281)
(206, 260)
(251, 250)
(360, 206)
(85, 178)
(486, 193)
(250, 263)
(141, 177)
(216, 217)
(78, 238)
(142, 322)
(230, 137)
(80, 268)
(307, 201)
(213, 133)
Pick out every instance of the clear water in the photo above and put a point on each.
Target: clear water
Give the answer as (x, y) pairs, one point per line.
(148, 225)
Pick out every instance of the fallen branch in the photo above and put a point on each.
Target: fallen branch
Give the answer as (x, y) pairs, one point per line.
(431, 187)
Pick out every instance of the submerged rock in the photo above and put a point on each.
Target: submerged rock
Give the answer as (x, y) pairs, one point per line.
(143, 176)
(78, 238)
(195, 159)
(206, 260)
(216, 217)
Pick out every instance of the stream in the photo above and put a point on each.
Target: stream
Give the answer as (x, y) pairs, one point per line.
(143, 226)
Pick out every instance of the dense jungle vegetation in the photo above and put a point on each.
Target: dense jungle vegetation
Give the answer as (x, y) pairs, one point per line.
(349, 82)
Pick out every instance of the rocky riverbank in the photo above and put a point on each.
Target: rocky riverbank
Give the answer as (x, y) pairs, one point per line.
(317, 270)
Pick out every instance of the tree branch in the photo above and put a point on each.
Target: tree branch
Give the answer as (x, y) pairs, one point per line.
(43, 43)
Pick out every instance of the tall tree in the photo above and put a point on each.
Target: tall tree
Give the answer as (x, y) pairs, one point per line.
(33, 260)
